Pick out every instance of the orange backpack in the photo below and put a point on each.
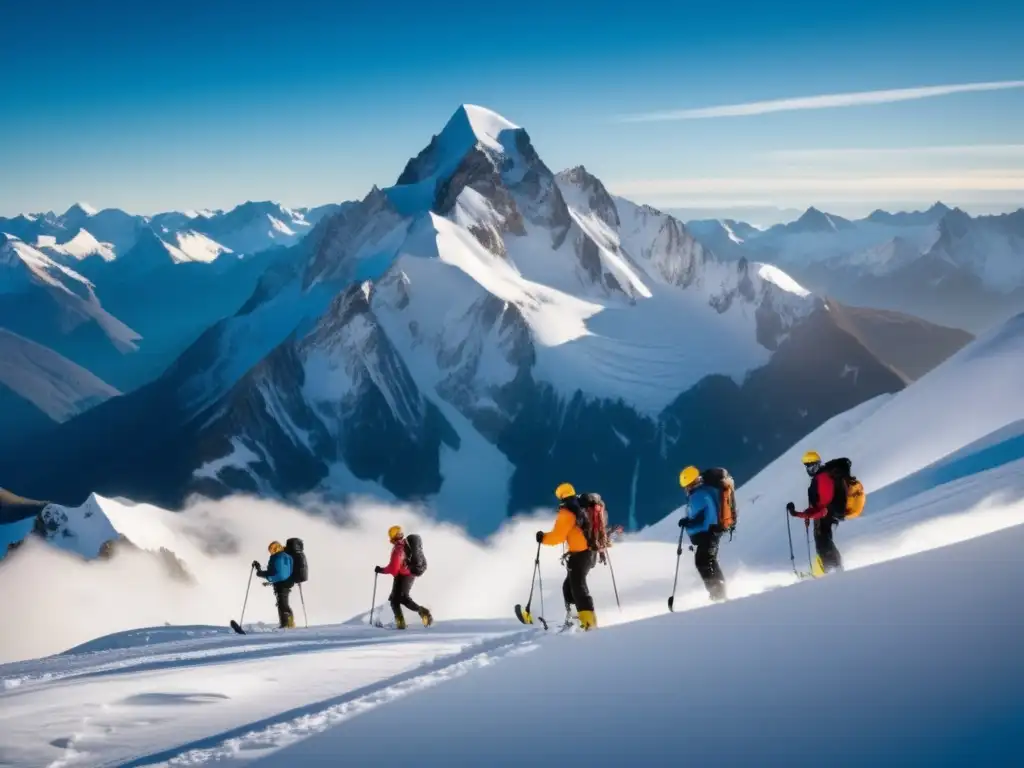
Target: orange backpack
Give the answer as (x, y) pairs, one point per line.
(720, 479)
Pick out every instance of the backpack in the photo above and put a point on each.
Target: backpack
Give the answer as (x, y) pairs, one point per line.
(722, 481)
(300, 566)
(850, 497)
(414, 557)
(592, 521)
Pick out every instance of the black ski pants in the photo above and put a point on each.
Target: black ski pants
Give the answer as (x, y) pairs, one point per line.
(826, 548)
(574, 589)
(282, 590)
(706, 560)
(400, 596)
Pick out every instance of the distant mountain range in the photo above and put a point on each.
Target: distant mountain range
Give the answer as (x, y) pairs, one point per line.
(470, 337)
(123, 295)
(940, 264)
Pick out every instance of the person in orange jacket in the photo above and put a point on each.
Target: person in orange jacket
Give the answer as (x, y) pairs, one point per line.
(582, 553)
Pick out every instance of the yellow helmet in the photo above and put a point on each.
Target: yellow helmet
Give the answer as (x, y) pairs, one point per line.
(394, 532)
(564, 491)
(274, 547)
(812, 457)
(689, 476)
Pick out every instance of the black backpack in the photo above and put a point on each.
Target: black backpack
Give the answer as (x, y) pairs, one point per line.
(722, 481)
(414, 557)
(300, 566)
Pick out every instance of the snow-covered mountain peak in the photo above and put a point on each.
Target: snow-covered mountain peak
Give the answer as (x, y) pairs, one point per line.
(954, 224)
(814, 220)
(475, 143)
(912, 219)
(149, 250)
(253, 226)
(486, 126)
(80, 247)
(80, 209)
(583, 189)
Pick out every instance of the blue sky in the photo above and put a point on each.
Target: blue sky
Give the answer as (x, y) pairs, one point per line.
(162, 106)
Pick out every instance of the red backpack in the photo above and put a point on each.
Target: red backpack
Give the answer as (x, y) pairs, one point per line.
(592, 519)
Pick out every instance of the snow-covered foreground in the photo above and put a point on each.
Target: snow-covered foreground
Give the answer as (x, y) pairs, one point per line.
(149, 695)
(914, 662)
(933, 635)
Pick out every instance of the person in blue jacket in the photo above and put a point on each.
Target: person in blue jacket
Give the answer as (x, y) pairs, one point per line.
(279, 573)
(702, 526)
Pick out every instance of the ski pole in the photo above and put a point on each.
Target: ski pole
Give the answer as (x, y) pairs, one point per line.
(789, 533)
(533, 579)
(807, 534)
(373, 600)
(540, 580)
(305, 619)
(675, 581)
(252, 569)
(608, 559)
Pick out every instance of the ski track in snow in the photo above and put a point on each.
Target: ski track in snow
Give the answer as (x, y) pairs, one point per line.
(288, 728)
(217, 696)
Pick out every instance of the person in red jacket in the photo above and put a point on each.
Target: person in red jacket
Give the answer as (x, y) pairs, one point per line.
(821, 498)
(403, 581)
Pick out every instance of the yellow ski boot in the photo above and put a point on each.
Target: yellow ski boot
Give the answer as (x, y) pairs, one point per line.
(588, 620)
(399, 622)
(426, 617)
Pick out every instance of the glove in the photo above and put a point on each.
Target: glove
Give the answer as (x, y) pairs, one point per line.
(540, 537)
(255, 563)
(791, 508)
(378, 569)
(603, 558)
(266, 583)
(683, 522)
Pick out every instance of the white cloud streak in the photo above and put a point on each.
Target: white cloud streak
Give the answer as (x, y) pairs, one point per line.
(989, 181)
(826, 101)
(1002, 151)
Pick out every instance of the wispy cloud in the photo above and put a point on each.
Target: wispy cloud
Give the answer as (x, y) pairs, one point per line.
(827, 101)
(1007, 151)
(826, 184)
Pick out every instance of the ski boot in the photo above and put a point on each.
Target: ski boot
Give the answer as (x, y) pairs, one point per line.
(426, 617)
(588, 620)
(399, 622)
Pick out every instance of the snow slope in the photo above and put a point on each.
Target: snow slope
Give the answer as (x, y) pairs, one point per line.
(194, 694)
(929, 674)
(960, 422)
(43, 382)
